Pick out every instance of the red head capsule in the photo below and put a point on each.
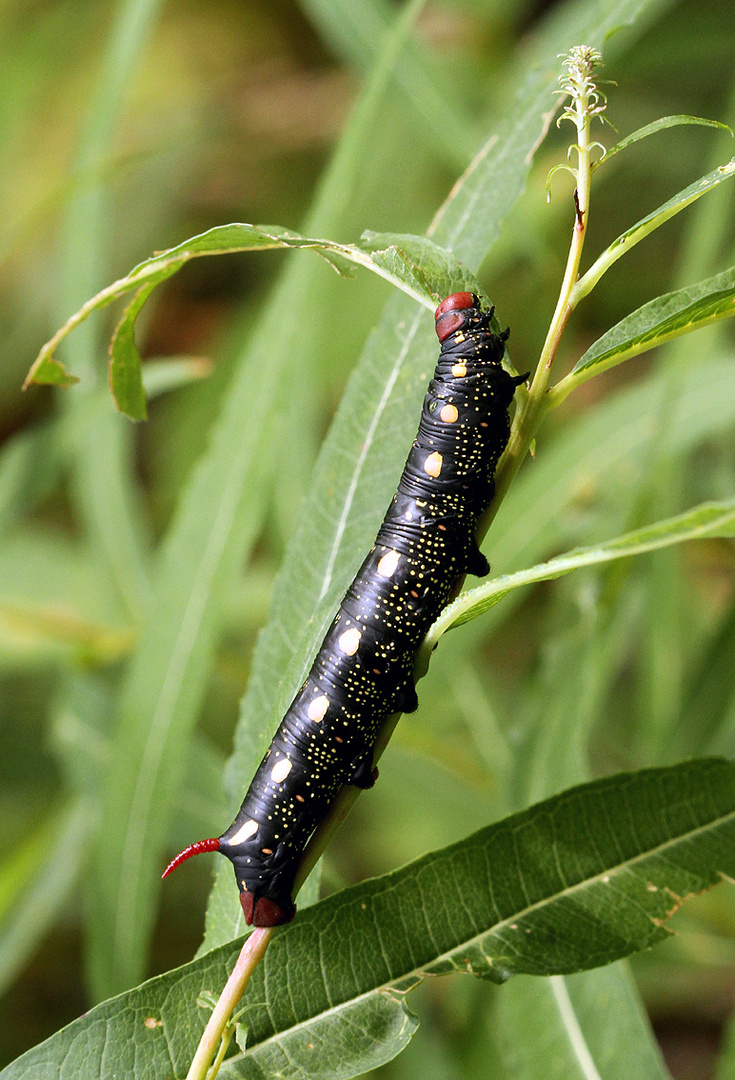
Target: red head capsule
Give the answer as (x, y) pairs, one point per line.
(449, 316)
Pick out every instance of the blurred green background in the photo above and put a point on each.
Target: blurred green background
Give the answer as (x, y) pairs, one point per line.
(203, 113)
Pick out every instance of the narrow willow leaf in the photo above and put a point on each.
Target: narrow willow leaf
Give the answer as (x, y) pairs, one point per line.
(574, 882)
(705, 724)
(173, 372)
(46, 368)
(54, 601)
(30, 468)
(102, 485)
(658, 125)
(358, 31)
(497, 176)
(706, 520)
(221, 240)
(125, 368)
(655, 323)
(648, 224)
(596, 448)
(161, 690)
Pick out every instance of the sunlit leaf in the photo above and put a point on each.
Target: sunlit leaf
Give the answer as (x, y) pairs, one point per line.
(649, 223)
(393, 264)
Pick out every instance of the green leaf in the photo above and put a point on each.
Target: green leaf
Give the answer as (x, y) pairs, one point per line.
(173, 372)
(433, 268)
(655, 323)
(49, 371)
(647, 225)
(30, 468)
(54, 602)
(162, 687)
(575, 882)
(706, 520)
(125, 379)
(358, 31)
(705, 722)
(658, 125)
(102, 481)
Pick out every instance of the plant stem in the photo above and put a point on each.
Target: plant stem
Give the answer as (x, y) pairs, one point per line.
(219, 1022)
(533, 405)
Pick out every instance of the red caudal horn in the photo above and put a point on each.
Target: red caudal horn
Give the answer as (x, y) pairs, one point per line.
(192, 849)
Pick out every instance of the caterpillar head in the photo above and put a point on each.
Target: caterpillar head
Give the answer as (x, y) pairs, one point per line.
(456, 311)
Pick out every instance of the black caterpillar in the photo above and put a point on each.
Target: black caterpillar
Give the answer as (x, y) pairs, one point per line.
(363, 671)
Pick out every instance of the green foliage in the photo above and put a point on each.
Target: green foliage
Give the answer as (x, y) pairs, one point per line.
(129, 596)
(663, 319)
(412, 263)
(574, 882)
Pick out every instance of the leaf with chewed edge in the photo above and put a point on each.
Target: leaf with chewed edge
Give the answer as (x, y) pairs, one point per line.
(574, 882)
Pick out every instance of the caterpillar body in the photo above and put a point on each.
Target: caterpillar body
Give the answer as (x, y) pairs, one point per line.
(363, 671)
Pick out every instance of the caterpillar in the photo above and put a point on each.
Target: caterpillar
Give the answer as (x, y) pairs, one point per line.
(363, 671)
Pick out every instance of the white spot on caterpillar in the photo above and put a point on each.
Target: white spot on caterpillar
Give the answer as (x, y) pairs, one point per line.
(449, 414)
(389, 562)
(280, 770)
(349, 642)
(244, 833)
(318, 708)
(433, 464)
(459, 370)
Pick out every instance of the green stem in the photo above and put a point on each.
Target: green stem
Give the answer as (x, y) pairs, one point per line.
(533, 405)
(216, 1031)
